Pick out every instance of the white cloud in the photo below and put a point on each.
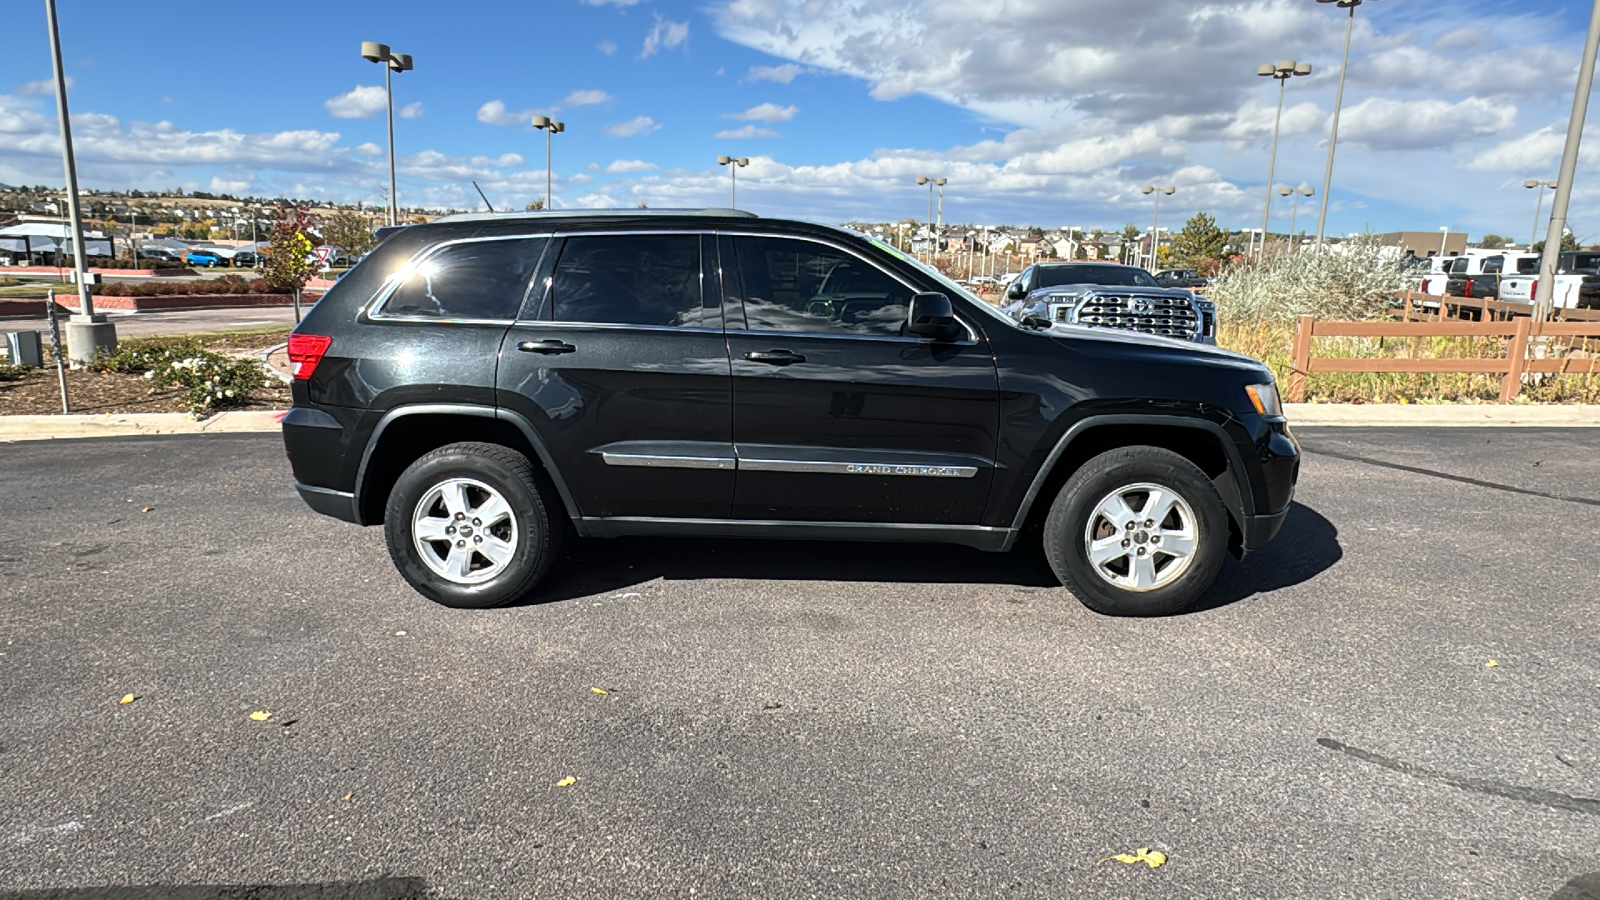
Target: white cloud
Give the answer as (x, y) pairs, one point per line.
(633, 127)
(581, 178)
(765, 112)
(361, 102)
(225, 186)
(1535, 152)
(630, 165)
(664, 33)
(781, 74)
(495, 113)
(748, 131)
(1388, 124)
(44, 87)
(411, 110)
(587, 98)
(606, 47)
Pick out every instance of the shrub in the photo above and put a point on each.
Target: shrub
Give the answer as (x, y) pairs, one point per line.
(226, 284)
(14, 373)
(1350, 281)
(135, 357)
(210, 380)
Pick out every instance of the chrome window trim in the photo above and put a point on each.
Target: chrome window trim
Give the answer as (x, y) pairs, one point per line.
(747, 332)
(373, 309)
(540, 323)
(972, 334)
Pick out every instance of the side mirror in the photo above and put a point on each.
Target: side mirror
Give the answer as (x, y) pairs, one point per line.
(932, 317)
(1016, 292)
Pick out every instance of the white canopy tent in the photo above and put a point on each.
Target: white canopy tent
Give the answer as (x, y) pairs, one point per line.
(30, 238)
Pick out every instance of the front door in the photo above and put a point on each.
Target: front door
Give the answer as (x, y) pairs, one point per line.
(838, 414)
(622, 368)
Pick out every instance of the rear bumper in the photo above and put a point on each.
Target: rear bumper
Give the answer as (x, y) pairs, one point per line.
(338, 504)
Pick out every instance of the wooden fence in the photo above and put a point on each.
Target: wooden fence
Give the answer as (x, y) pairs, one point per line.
(1510, 367)
(1414, 307)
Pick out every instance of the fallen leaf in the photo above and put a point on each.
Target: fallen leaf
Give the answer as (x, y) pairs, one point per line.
(601, 692)
(126, 699)
(1491, 664)
(348, 796)
(568, 781)
(260, 715)
(147, 509)
(773, 705)
(1151, 858)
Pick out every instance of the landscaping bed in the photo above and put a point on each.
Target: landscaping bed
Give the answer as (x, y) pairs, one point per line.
(129, 382)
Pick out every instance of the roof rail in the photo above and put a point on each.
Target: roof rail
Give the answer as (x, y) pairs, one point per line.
(595, 213)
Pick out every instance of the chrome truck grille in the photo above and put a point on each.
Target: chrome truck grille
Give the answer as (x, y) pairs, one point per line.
(1174, 317)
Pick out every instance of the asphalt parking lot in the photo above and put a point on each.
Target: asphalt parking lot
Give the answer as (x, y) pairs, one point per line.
(1396, 699)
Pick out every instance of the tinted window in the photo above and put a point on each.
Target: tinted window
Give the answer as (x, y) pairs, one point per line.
(1119, 276)
(475, 280)
(1528, 266)
(632, 279)
(1493, 264)
(800, 286)
(1581, 262)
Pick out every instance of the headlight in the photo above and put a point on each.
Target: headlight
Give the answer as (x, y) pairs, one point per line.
(1265, 399)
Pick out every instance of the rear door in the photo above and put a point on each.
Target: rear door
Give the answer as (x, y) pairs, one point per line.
(839, 415)
(621, 365)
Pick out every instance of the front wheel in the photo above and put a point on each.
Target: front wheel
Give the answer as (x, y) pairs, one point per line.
(470, 526)
(1137, 531)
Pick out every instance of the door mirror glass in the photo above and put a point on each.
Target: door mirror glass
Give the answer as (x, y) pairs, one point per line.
(933, 317)
(1016, 291)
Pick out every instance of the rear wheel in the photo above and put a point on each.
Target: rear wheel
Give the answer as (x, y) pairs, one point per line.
(470, 525)
(1138, 531)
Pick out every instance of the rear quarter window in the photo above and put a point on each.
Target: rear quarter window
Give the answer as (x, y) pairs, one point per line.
(470, 280)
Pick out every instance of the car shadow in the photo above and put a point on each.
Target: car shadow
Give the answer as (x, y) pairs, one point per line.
(1307, 546)
(374, 889)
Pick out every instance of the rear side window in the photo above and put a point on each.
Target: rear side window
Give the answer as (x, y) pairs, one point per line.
(472, 280)
(800, 286)
(631, 279)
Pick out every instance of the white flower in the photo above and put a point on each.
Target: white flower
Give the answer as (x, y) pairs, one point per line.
(229, 392)
(149, 375)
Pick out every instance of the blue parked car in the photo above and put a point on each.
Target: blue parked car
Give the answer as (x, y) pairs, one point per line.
(205, 258)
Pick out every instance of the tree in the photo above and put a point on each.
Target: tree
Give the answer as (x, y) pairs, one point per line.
(1568, 242)
(1492, 242)
(288, 265)
(1201, 244)
(349, 231)
(535, 206)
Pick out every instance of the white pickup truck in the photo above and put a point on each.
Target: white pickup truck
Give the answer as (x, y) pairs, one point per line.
(1577, 284)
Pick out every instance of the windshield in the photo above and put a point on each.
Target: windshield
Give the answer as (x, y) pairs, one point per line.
(1121, 276)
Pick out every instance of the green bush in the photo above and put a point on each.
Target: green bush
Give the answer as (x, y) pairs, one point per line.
(226, 284)
(14, 373)
(137, 357)
(210, 381)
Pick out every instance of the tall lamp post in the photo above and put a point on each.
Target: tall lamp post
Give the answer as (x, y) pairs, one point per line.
(1338, 104)
(550, 127)
(374, 52)
(733, 163)
(1155, 221)
(1543, 296)
(1445, 240)
(1282, 71)
(87, 333)
(1295, 213)
(1538, 206)
(932, 183)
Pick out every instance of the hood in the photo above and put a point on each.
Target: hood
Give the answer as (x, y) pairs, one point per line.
(1115, 340)
(1076, 290)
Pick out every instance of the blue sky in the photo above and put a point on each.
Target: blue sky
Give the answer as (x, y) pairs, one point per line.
(1048, 112)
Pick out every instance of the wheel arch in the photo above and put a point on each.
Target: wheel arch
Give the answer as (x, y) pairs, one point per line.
(1202, 442)
(407, 432)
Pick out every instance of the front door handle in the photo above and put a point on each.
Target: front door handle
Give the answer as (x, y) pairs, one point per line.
(547, 347)
(775, 357)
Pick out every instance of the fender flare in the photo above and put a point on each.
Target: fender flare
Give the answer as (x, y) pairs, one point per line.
(466, 409)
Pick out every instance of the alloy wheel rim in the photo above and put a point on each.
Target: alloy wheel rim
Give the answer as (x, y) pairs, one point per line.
(1141, 537)
(464, 531)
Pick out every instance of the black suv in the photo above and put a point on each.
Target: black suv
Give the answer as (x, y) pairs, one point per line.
(1109, 295)
(484, 385)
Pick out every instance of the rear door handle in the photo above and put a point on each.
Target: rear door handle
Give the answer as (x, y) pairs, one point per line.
(547, 347)
(775, 357)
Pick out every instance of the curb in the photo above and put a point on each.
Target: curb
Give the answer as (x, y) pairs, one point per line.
(1308, 415)
(52, 427)
(274, 371)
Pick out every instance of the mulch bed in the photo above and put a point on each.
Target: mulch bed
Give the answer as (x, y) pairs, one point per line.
(88, 392)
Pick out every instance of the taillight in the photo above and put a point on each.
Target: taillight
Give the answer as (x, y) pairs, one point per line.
(305, 351)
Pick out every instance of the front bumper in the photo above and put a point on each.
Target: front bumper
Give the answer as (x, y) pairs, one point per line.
(1259, 530)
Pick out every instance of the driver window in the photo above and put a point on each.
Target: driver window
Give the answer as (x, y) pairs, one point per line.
(800, 286)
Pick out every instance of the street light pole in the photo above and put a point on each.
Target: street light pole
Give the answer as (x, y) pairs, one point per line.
(932, 183)
(1282, 72)
(1294, 213)
(1155, 221)
(374, 52)
(1569, 166)
(1338, 104)
(733, 163)
(1444, 242)
(550, 127)
(1538, 206)
(87, 333)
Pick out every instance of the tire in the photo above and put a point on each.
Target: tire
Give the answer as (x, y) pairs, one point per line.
(478, 564)
(1124, 582)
